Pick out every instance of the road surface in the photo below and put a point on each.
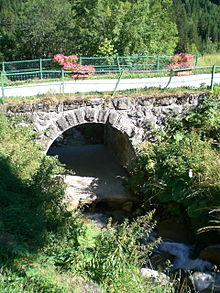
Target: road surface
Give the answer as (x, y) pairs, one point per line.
(106, 85)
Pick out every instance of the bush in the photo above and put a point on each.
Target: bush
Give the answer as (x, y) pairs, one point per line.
(182, 60)
(42, 245)
(68, 63)
(182, 169)
(30, 193)
(111, 257)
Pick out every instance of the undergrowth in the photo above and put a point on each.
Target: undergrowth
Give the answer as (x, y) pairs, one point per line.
(44, 248)
(182, 168)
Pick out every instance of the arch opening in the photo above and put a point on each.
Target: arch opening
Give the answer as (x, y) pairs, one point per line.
(117, 142)
(99, 155)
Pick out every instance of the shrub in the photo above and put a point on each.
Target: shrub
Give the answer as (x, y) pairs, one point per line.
(43, 245)
(69, 63)
(111, 257)
(30, 193)
(182, 60)
(183, 167)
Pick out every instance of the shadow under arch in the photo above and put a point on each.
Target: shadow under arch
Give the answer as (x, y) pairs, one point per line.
(97, 133)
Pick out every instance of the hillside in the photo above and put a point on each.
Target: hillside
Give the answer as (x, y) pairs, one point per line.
(198, 23)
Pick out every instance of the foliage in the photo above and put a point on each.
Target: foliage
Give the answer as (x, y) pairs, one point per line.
(214, 224)
(206, 119)
(42, 28)
(30, 193)
(183, 166)
(126, 24)
(209, 59)
(39, 28)
(182, 60)
(110, 257)
(35, 277)
(198, 25)
(106, 49)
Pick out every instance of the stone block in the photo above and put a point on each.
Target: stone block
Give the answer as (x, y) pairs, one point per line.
(80, 115)
(125, 126)
(94, 102)
(122, 103)
(91, 114)
(113, 118)
(52, 132)
(102, 116)
(71, 118)
(166, 101)
(146, 102)
(62, 123)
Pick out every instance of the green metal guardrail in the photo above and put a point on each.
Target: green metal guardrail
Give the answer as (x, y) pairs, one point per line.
(101, 64)
(61, 77)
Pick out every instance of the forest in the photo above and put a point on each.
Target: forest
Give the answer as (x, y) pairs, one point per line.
(32, 29)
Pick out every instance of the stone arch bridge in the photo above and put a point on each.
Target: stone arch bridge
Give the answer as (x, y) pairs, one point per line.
(128, 120)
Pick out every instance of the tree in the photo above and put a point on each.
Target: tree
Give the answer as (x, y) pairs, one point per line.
(106, 49)
(197, 22)
(8, 20)
(133, 27)
(44, 28)
(148, 28)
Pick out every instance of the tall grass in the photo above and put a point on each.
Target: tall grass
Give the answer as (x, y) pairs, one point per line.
(209, 59)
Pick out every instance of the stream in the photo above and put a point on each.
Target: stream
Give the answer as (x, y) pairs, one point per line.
(98, 180)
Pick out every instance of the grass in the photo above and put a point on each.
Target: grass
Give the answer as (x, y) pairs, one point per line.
(209, 60)
(133, 93)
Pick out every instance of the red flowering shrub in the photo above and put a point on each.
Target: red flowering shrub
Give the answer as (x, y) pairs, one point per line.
(59, 58)
(68, 63)
(182, 60)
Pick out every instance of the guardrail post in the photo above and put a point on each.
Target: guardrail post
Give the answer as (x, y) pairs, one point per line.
(62, 82)
(116, 86)
(3, 66)
(158, 63)
(41, 69)
(169, 81)
(118, 62)
(197, 59)
(3, 90)
(212, 78)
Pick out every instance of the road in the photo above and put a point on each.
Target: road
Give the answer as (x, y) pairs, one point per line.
(106, 85)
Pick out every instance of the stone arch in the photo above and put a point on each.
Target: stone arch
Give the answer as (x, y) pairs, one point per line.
(71, 118)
